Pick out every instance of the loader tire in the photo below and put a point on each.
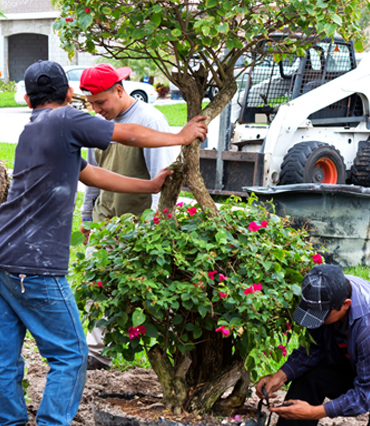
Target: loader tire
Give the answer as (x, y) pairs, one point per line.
(312, 162)
(360, 171)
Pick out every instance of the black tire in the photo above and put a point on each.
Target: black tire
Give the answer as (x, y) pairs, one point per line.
(308, 162)
(139, 94)
(360, 171)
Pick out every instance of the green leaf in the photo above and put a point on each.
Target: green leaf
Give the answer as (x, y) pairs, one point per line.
(337, 19)
(296, 290)
(227, 5)
(156, 19)
(211, 3)
(106, 10)
(359, 46)
(221, 237)
(223, 28)
(176, 32)
(77, 238)
(80, 256)
(277, 267)
(177, 319)
(202, 310)
(85, 20)
(151, 330)
(157, 8)
(122, 319)
(138, 317)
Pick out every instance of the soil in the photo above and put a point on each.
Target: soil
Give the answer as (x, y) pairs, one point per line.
(137, 380)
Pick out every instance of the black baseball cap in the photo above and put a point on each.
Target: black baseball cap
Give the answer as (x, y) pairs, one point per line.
(323, 288)
(54, 74)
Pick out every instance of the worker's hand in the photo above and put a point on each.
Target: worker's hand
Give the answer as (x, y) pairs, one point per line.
(195, 128)
(86, 232)
(159, 179)
(300, 410)
(272, 383)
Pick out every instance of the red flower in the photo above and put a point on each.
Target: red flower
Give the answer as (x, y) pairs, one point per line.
(156, 220)
(169, 215)
(179, 205)
(222, 277)
(192, 211)
(223, 330)
(317, 258)
(69, 19)
(253, 288)
(100, 284)
(264, 224)
(283, 349)
(222, 294)
(87, 9)
(212, 274)
(288, 327)
(165, 210)
(136, 331)
(254, 227)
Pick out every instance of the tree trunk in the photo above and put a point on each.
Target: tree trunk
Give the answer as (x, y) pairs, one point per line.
(196, 380)
(189, 157)
(4, 183)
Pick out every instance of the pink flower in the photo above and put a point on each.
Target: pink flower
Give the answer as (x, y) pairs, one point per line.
(211, 274)
(165, 210)
(134, 332)
(288, 327)
(253, 288)
(223, 330)
(195, 285)
(87, 9)
(156, 220)
(169, 215)
(222, 277)
(222, 294)
(264, 224)
(237, 418)
(179, 205)
(283, 349)
(192, 211)
(100, 284)
(69, 19)
(254, 227)
(317, 258)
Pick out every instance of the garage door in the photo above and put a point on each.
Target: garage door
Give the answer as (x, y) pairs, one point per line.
(24, 50)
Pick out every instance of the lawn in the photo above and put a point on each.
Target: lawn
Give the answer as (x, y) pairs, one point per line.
(176, 113)
(7, 100)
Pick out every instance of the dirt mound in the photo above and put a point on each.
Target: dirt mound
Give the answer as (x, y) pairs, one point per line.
(115, 381)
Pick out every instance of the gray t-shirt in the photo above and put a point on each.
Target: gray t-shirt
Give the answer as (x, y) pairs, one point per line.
(155, 158)
(36, 220)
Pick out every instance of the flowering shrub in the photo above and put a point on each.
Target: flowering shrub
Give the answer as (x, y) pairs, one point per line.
(190, 287)
(162, 89)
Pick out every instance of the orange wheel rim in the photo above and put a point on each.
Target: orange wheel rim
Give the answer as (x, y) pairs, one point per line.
(325, 171)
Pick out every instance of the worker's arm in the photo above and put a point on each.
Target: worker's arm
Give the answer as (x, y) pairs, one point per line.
(109, 181)
(136, 135)
(300, 410)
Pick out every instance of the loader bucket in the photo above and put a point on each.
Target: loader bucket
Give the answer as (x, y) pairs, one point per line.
(336, 216)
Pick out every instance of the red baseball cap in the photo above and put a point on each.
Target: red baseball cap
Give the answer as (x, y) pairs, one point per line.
(101, 77)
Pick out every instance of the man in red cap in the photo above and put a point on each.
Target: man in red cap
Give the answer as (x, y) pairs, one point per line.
(102, 85)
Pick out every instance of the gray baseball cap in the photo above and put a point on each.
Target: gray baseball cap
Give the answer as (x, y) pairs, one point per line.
(323, 288)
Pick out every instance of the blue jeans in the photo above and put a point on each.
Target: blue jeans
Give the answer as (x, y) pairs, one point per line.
(46, 308)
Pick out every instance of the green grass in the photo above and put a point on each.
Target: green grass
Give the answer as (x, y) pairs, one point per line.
(7, 153)
(7, 100)
(176, 113)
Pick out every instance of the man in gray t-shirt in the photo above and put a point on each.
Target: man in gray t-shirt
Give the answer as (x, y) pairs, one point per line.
(116, 105)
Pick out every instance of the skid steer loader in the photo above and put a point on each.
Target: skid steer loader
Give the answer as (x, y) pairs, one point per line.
(304, 120)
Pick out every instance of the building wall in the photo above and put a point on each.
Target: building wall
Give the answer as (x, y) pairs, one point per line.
(32, 17)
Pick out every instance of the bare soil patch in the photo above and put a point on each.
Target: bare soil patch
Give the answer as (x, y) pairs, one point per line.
(136, 380)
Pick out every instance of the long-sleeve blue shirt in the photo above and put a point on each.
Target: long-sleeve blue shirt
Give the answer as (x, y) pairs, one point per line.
(357, 400)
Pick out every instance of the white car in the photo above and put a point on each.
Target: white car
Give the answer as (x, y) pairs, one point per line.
(143, 91)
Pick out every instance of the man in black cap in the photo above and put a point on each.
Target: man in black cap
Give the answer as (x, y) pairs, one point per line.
(35, 233)
(336, 310)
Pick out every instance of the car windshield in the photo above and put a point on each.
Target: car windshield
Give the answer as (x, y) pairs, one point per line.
(74, 75)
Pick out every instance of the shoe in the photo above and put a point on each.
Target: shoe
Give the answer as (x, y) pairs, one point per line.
(95, 364)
